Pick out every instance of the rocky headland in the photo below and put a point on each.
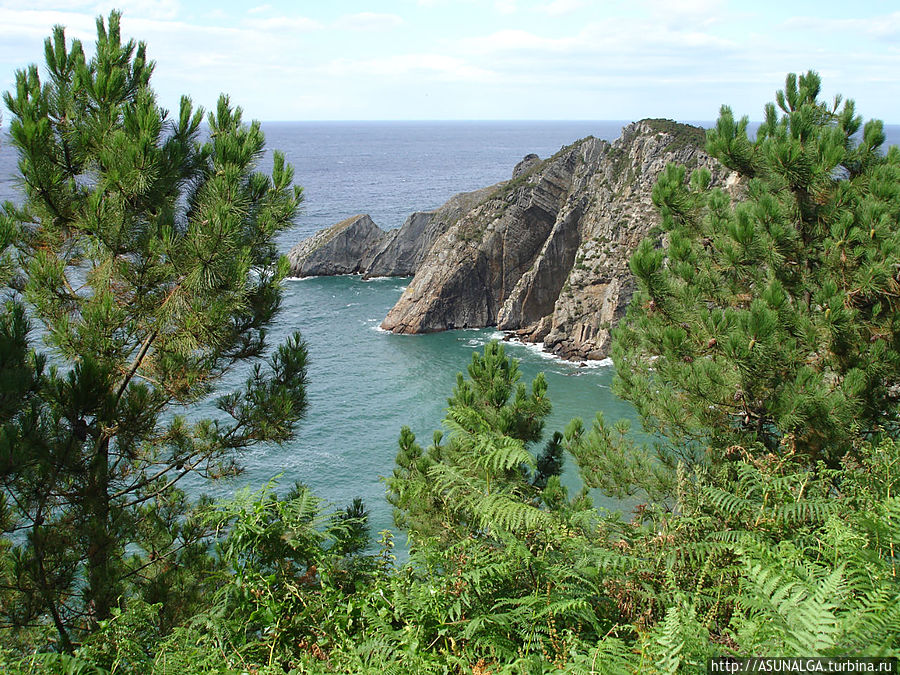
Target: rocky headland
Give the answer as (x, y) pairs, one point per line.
(543, 255)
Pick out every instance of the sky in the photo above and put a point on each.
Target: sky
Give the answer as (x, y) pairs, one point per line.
(487, 59)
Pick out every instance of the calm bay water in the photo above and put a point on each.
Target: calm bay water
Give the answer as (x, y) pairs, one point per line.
(365, 384)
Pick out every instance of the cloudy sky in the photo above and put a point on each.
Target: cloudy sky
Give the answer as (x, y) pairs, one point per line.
(489, 59)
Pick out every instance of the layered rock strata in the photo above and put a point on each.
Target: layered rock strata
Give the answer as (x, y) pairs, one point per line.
(476, 264)
(343, 248)
(544, 255)
(358, 246)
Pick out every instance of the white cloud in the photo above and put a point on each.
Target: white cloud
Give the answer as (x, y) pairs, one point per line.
(436, 3)
(149, 9)
(58, 5)
(609, 58)
(78, 18)
(152, 9)
(562, 7)
(282, 24)
(514, 40)
(645, 56)
(885, 27)
(619, 39)
(700, 8)
(432, 66)
(369, 21)
(35, 24)
(681, 13)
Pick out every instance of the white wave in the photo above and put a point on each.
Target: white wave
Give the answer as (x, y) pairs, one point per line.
(602, 363)
(537, 348)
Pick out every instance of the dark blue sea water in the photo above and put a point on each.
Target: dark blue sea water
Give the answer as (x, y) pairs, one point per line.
(365, 384)
(390, 169)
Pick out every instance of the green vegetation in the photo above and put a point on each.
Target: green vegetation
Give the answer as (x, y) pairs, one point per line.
(683, 135)
(147, 261)
(761, 350)
(480, 481)
(770, 325)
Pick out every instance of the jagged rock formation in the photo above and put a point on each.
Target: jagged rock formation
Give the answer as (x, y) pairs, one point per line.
(612, 204)
(544, 255)
(401, 251)
(472, 268)
(340, 249)
(358, 246)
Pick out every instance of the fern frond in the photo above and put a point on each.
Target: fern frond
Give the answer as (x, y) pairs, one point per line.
(805, 512)
(732, 505)
(496, 453)
(610, 656)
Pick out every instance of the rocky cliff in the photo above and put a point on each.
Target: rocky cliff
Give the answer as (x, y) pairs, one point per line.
(343, 248)
(544, 255)
(358, 246)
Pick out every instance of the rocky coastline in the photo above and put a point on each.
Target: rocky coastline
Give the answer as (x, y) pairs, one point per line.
(543, 256)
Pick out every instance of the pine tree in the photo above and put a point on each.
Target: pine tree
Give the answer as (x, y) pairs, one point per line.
(770, 323)
(483, 477)
(146, 260)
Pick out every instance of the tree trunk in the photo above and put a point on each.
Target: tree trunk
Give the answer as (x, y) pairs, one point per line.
(103, 584)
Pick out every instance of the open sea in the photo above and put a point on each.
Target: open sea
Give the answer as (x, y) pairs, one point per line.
(364, 384)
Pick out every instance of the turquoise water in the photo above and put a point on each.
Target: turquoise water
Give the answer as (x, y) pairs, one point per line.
(364, 384)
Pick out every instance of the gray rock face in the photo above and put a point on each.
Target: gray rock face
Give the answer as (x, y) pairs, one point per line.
(544, 255)
(535, 293)
(528, 162)
(474, 266)
(401, 251)
(340, 249)
(358, 246)
(613, 196)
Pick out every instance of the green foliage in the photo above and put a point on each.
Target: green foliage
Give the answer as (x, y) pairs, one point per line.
(49, 664)
(770, 324)
(146, 260)
(761, 338)
(759, 556)
(483, 480)
(288, 563)
(750, 576)
(684, 135)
